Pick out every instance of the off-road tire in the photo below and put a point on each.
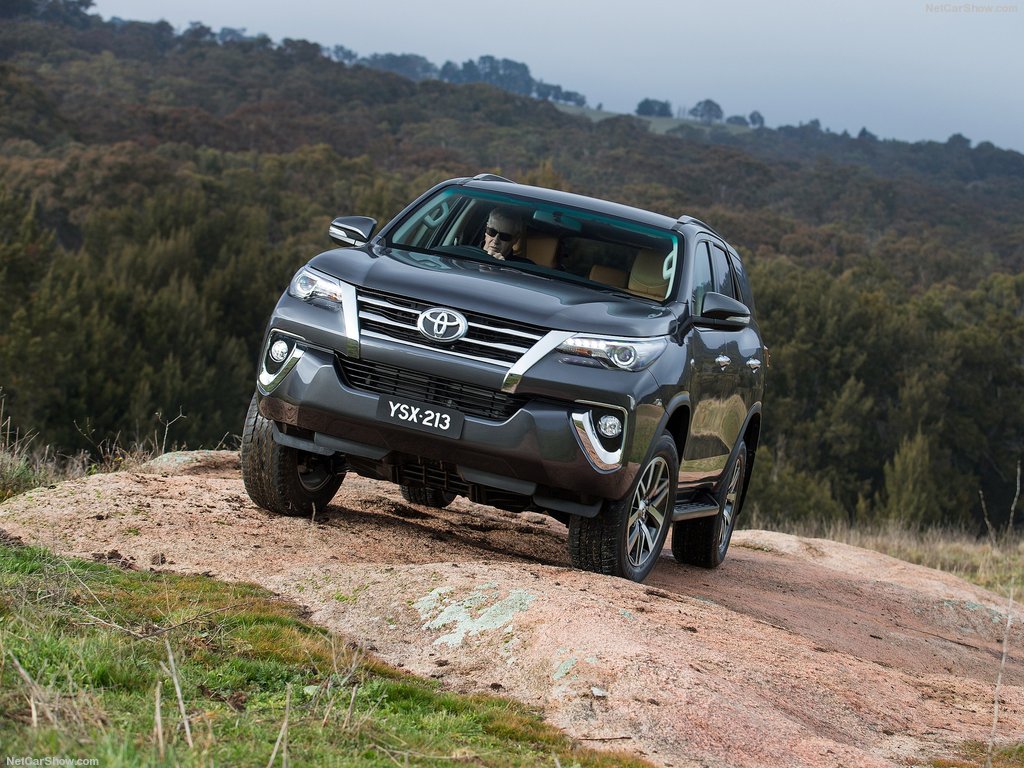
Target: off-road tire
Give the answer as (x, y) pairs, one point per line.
(602, 543)
(704, 542)
(282, 479)
(427, 497)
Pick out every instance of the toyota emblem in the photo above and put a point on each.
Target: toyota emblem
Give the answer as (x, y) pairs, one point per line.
(439, 324)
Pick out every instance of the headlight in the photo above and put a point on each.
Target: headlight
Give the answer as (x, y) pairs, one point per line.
(626, 354)
(316, 288)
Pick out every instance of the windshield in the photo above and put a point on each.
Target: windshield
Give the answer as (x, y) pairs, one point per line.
(564, 243)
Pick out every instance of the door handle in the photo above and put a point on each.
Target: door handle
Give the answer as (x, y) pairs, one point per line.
(723, 361)
(754, 364)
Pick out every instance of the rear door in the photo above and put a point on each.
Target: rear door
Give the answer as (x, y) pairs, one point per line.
(750, 343)
(719, 409)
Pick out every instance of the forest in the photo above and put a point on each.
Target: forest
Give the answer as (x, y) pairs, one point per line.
(158, 189)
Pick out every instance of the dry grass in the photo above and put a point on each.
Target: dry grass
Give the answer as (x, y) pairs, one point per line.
(25, 465)
(995, 562)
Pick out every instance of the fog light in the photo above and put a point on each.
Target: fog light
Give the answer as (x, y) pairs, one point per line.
(279, 351)
(609, 426)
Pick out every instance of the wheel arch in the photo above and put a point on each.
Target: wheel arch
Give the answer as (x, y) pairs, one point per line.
(751, 435)
(677, 422)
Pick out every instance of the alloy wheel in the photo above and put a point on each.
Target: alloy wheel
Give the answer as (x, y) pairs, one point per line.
(648, 512)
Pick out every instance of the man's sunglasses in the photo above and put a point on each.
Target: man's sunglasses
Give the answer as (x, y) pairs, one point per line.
(503, 236)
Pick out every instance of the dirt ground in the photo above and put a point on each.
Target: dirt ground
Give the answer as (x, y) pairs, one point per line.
(796, 652)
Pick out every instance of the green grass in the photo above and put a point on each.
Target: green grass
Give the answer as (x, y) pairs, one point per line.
(84, 653)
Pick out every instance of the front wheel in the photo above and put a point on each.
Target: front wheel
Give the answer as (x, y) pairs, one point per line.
(705, 541)
(626, 537)
(282, 479)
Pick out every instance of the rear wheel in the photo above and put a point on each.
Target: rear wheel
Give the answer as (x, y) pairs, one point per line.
(704, 542)
(280, 478)
(626, 537)
(427, 497)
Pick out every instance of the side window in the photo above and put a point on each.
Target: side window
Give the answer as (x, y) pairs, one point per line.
(746, 296)
(723, 276)
(702, 280)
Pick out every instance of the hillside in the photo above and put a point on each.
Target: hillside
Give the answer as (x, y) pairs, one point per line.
(796, 652)
(157, 191)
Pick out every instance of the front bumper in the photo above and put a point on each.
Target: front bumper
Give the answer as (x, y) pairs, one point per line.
(545, 453)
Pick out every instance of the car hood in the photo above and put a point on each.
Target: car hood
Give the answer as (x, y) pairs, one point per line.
(496, 289)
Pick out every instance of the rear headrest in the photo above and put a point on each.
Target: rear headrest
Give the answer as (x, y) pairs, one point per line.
(647, 276)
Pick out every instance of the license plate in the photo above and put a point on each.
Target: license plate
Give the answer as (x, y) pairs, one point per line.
(421, 416)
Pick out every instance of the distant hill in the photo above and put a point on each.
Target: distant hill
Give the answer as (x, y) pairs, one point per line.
(157, 190)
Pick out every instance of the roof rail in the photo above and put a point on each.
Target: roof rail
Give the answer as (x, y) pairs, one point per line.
(491, 177)
(697, 222)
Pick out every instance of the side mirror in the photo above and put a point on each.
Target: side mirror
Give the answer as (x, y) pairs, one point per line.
(723, 311)
(352, 230)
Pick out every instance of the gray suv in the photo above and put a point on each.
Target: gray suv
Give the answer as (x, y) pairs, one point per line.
(596, 362)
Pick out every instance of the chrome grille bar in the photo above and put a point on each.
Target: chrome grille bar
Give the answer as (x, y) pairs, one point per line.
(396, 321)
(477, 358)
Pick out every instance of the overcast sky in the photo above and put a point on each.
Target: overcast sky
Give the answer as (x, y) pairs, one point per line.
(905, 69)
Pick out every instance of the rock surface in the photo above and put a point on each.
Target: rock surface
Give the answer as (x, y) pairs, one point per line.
(796, 652)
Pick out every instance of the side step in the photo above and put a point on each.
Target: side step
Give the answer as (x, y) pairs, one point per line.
(702, 505)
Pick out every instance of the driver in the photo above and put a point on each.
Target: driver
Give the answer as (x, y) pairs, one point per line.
(502, 232)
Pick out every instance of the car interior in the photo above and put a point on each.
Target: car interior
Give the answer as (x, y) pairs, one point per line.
(588, 247)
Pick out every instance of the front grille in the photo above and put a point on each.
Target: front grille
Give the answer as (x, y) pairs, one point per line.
(469, 399)
(489, 339)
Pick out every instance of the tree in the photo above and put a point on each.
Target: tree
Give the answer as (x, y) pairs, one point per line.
(26, 251)
(572, 97)
(958, 141)
(197, 33)
(737, 120)
(231, 35)
(409, 65)
(301, 50)
(11, 9)
(654, 108)
(756, 119)
(707, 111)
(343, 54)
(71, 12)
(545, 175)
(451, 72)
(506, 74)
(910, 492)
(546, 92)
(513, 76)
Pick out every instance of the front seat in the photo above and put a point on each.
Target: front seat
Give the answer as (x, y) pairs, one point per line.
(609, 276)
(647, 277)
